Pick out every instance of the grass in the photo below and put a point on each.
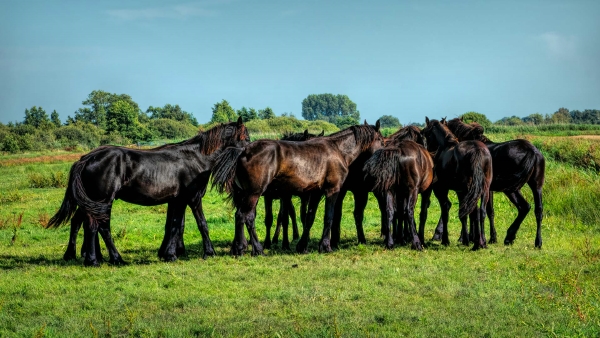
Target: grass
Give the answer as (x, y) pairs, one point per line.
(360, 290)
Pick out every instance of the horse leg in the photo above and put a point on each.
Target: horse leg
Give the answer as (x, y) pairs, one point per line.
(90, 230)
(179, 245)
(360, 203)
(490, 214)
(283, 220)
(113, 253)
(268, 221)
(336, 228)
(175, 215)
(410, 219)
(386, 206)
(292, 213)
(325, 243)
(425, 202)
(523, 208)
(250, 217)
(203, 227)
(442, 195)
(76, 222)
(537, 199)
(310, 210)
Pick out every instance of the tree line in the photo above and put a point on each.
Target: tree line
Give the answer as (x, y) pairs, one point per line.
(108, 118)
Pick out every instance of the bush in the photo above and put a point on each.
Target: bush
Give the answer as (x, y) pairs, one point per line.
(171, 129)
(78, 134)
(58, 179)
(9, 142)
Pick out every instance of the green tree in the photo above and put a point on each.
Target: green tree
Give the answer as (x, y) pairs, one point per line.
(36, 117)
(99, 103)
(561, 116)
(535, 119)
(266, 114)
(122, 118)
(389, 121)
(247, 114)
(171, 112)
(472, 116)
(55, 119)
(510, 121)
(223, 113)
(329, 107)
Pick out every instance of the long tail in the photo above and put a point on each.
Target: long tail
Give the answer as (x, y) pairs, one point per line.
(223, 171)
(381, 169)
(68, 206)
(476, 186)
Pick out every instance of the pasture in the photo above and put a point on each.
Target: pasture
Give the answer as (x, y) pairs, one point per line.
(359, 290)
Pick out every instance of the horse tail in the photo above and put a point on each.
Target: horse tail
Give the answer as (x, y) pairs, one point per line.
(478, 183)
(97, 211)
(381, 169)
(68, 206)
(223, 171)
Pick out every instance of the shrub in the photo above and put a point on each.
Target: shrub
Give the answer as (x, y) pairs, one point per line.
(57, 179)
(171, 129)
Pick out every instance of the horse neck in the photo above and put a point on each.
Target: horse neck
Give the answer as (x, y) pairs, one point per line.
(202, 144)
(444, 139)
(348, 146)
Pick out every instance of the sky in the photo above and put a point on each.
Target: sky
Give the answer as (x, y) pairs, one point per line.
(408, 59)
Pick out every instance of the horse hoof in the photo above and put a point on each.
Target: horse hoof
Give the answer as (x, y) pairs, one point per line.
(208, 253)
(69, 256)
(436, 237)
(493, 240)
(267, 244)
(169, 258)
(285, 247)
(88, 263)
(508, 241)
(538, 244)
(324, 248)
(118, 262)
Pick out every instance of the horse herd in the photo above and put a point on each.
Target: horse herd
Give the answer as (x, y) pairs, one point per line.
(445, 155)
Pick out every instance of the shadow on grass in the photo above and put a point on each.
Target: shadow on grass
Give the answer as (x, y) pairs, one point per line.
(10, 262)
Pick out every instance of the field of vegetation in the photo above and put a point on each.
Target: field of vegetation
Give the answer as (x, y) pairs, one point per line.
(359, 290)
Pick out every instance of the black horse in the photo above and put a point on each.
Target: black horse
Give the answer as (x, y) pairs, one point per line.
(515, 163)
(310, 169)
(465, 167)
(286, 207)
(398, 173)
(176, 174)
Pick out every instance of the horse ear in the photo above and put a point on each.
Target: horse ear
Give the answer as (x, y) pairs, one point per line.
(426, 120)
(377, 125)
(240, 121)
(443, 121)
(322, 133)
(305, 132)
(366, 124)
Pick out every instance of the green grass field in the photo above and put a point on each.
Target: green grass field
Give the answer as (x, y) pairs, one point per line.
(359, 290)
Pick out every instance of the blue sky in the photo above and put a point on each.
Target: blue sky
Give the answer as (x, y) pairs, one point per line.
(409, 59)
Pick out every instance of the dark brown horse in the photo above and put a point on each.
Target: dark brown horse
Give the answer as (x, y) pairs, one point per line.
(398, 173)
(465, 167)
(286, 207)
(516, 163)
(310, 169)
(176, 174)
(356, 184)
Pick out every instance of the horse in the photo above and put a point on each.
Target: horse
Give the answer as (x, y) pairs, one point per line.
(465, 167)
(515, 163)
(286, 207)
(310, 169)
(176, 174)
(397, 174)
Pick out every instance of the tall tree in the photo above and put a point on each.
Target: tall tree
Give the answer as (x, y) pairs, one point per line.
(535, 119)
(561, 116)
(223, 113)
(247, 114)
(36, 117)
(55, 119)
(99, 103)
(265, 114)
(472, 116)
(171, 112)
(330, 108)
(389, 121)
(122, 117)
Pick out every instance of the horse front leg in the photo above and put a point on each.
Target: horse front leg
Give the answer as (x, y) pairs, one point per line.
(292, 214)
(425, 202)
(309, 209)
(175, 214)
(325, 243)
(283, 220)
(269, 222)
(442, 195)
(387, 209)
(490, 214)
(360, 203)
(336, 227)
(523, 209)
(198, 213)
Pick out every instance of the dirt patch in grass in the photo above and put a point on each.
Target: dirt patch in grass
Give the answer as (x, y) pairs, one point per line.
(587, 137)
(41, 159)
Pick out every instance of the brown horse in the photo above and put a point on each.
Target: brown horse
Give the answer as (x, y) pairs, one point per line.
(398, 173)
(310, 169)
(286, 207)
(516, 163)
(176, 174)
(465, 167)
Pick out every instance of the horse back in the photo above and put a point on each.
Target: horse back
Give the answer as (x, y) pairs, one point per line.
(515, 162)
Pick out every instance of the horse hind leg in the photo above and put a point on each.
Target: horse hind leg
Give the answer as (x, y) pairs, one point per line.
(209, 251)
(113, 253)
(269, 222)
(539, 209)
(523, 208)
(490, 214)
(76, 222)
(175, 214)
(410, 220)
(308, 212)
